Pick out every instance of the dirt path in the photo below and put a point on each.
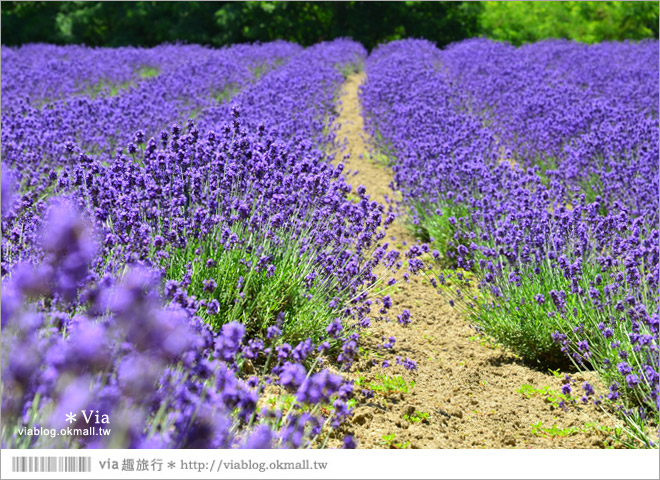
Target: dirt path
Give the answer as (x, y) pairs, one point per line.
(467, 386)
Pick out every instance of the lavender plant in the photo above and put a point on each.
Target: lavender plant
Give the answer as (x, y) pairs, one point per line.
(184, 271)
(485, 138)
(160, 375)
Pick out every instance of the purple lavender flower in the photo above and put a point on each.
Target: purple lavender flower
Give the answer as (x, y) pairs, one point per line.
(335, 328)
(349, 442)
(632, 380)
(624, 368)
(407, 363)
(319, 387)
(588, 389)
(261, 438)
(292, 375)
(404, 317)
(210, 285)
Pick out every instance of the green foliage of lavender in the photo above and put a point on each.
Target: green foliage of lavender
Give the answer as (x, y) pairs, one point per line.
(260, 281)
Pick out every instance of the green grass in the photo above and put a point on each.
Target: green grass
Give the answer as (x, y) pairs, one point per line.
(550, 395)
(378, 158)
(417, 417)
(148, 72)
(389, 441)
(249, 293)
(444, 229)
(110, 89)
(260, 297)
(484, 341)
(520, 324)
(384, 154)
(615, 434)
(259, 71)
(349, 68)
(539, 430)
(226, 93)
(386, 384)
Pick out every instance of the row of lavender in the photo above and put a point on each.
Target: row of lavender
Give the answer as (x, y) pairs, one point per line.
(587, 116)
(534, 173)
(165, 278)
(47, 144)
(44, 122)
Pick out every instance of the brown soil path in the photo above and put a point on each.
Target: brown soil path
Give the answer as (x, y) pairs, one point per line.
(468, 386)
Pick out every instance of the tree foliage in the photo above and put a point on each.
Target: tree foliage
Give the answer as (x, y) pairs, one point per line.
(221, 23)
(522, 22)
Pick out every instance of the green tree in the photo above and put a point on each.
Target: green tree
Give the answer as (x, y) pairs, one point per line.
(29, 22)
(149, 23)
(221, 23)
(366, 22)
(522, 22)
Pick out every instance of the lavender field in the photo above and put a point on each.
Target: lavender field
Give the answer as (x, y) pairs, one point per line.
(270, 246)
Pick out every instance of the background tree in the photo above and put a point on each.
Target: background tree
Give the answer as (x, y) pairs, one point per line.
(221, 23)
(521, 22)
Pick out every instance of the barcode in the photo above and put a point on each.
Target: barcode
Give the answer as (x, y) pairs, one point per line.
(51, 464)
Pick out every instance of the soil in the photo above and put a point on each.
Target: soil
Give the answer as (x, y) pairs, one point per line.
(468, 386)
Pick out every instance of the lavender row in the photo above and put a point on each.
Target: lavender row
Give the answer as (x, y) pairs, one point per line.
(183, 275)
(556, 276)
(98, 125)
(587, 114)
(45, 146)
(41, 74)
